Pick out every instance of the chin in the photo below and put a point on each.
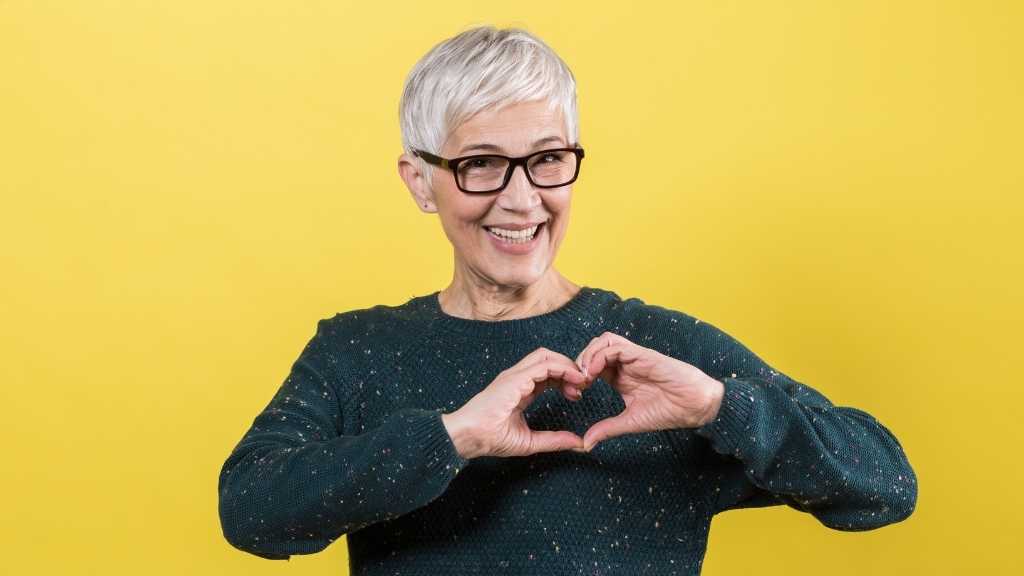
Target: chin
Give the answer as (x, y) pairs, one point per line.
(526, 278)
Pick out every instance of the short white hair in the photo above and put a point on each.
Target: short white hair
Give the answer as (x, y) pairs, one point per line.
(476, 69)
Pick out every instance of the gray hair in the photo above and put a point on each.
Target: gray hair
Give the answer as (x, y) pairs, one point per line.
(478, 68)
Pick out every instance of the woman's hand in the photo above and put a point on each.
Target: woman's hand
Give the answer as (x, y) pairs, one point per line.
(660, 392)
(492, 423)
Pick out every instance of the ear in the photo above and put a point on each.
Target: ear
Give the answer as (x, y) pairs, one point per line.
(416, 181)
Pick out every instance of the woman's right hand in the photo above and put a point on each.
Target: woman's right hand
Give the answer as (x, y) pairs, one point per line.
(492, 423)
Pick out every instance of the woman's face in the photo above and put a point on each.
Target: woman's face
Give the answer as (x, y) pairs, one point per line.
(516, 130)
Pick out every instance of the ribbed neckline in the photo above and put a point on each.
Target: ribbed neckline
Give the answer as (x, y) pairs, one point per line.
(580, 306)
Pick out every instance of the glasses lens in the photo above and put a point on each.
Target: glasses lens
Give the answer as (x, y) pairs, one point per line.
(487, 173)
(552, 167)
(482, 173)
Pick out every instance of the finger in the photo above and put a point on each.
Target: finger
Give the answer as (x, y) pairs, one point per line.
(605, 340)
(605, 429)
(553, 441)
(581, 358)
(542, 356)
(579, 363)
(555, 368)
(552, 373)
(615, 354)
(569, 391)
(572, 393)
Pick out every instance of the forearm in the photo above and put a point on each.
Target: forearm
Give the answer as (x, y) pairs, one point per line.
(837, 463)
(279, 498)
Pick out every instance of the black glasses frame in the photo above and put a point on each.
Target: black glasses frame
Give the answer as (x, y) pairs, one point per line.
(453, 165)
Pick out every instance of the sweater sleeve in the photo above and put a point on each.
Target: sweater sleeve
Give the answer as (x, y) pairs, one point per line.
(783, 442)
(294, 483)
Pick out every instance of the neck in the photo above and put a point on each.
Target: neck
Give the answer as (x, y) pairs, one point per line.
(475, 299)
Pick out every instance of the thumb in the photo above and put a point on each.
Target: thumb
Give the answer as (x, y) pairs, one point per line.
(552, 441)
(604, 429)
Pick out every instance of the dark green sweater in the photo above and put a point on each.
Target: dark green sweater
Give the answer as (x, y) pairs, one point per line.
(353, 443)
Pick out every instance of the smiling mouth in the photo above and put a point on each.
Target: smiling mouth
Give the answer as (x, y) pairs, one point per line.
(515, 237)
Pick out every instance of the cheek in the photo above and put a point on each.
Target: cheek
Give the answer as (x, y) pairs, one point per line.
(466, 219)
(560, 210)
(555, 234)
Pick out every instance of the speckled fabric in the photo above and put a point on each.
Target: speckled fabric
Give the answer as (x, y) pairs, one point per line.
(352, 443)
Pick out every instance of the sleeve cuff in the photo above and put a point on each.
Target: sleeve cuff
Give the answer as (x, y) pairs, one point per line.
(731, 424)
(426, 433)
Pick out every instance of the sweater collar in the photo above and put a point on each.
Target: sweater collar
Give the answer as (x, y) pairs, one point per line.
(579, 309)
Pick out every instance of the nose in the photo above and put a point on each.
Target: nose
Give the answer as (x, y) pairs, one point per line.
(519, 195)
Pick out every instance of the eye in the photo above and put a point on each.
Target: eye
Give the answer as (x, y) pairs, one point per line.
(550, 157)
(478, 164)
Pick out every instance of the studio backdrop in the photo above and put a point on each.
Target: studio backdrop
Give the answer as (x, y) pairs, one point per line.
(189, 186)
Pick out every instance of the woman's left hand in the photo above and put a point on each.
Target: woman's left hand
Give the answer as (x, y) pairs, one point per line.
(660, 392)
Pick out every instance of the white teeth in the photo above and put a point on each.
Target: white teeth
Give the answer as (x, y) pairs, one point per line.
(514, 234)
(517, 236)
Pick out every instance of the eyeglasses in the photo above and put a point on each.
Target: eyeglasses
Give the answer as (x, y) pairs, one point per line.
(484, 173)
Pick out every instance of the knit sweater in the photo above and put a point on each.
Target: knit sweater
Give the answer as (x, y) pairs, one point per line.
(353, 443)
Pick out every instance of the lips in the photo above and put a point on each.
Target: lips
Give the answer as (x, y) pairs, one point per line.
(516, 228)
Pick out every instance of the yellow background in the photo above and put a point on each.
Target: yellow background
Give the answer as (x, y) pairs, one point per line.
(188, 186)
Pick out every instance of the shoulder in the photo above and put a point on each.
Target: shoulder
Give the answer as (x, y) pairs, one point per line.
(637, 316)
(381, 323)
(358, 337)
(671, 331)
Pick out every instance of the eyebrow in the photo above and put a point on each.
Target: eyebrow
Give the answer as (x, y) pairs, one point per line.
(496, 148)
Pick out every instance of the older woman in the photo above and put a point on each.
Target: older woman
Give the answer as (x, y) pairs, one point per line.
(516, 422)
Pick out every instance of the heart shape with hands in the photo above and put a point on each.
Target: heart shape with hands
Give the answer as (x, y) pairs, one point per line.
(659, 392)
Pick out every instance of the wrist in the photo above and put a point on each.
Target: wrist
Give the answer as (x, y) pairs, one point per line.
(715, 393)
(463, 435)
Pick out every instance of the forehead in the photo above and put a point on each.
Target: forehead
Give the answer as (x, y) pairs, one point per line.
(513, 128)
